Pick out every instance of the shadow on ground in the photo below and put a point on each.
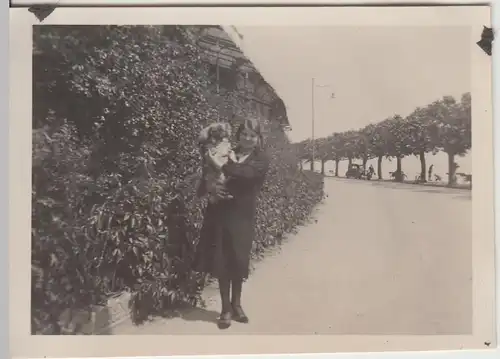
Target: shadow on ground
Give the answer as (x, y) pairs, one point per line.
(194, 315)
(91, 321)
(103, 322)
(461, 192)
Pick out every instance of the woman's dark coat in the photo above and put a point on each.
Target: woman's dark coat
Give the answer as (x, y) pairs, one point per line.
(229, 225)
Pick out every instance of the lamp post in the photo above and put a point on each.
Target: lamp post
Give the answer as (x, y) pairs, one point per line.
(313, 86)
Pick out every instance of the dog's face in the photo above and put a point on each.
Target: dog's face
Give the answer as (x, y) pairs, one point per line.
(214, 133)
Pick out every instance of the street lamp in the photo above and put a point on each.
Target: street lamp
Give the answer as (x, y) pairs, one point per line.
(313, 86)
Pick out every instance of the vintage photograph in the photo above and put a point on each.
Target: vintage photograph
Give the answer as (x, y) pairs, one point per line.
(258, 180)
(165, 163)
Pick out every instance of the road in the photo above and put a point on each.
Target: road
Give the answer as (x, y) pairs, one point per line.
(378, 258)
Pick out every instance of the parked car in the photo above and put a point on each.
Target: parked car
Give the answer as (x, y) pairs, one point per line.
(354, 171)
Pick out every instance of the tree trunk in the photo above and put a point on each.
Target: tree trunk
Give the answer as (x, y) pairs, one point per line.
(349, 161)
(452, 179)
(379, 167)
(323, 167)
(365, 160)
(301, 165)
(312, 165)
(337, 168)
(398, 175)
(423, 167)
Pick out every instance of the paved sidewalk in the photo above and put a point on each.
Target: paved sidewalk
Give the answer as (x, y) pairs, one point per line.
(379, 258)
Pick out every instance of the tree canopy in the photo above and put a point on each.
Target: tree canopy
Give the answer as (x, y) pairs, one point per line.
(444, 125)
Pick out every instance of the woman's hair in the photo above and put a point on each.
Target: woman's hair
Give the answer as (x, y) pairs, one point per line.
(254, 125)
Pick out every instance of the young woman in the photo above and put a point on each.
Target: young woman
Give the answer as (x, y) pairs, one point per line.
(228, 226)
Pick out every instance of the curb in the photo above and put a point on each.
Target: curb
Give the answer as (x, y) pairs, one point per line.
(119, 311)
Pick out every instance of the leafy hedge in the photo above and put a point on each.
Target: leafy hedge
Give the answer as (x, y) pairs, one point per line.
(115, 167)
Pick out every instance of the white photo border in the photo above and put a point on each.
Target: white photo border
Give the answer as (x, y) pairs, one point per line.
(22, 344)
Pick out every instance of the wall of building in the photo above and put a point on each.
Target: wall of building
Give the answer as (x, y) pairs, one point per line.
(236, 72)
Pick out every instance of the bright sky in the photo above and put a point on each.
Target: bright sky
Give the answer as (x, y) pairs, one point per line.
(374, 72)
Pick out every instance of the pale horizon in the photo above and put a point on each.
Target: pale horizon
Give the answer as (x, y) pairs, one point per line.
(374, 71)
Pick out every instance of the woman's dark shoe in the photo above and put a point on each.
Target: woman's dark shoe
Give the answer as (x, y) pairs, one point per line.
(239, 315)
(224, 320)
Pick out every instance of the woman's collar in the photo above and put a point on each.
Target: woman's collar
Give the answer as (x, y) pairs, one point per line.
(238, 150)
(246, 156)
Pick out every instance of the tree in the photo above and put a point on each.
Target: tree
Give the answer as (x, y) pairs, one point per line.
(378, 135)
(443, 125)
(363, 147)
(299, 150)
(338, 151)
(398, 143)
(453, 121)
(422, 137)
(304, 151)
(350, 144)
(324, 151)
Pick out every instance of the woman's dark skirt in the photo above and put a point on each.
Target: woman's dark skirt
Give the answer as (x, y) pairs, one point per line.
(225, 242)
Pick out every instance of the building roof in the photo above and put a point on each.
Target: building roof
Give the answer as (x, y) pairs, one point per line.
(220, 48)
(217, 44)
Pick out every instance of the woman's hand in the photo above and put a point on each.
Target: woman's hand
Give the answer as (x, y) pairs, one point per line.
(221, 191)
(232, 156)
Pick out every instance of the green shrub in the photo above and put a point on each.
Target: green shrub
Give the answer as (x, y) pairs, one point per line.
(115, 167)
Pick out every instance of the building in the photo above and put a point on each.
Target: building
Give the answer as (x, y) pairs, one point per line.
(234, 71)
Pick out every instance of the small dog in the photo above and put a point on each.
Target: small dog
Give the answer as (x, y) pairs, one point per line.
(214, 139)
